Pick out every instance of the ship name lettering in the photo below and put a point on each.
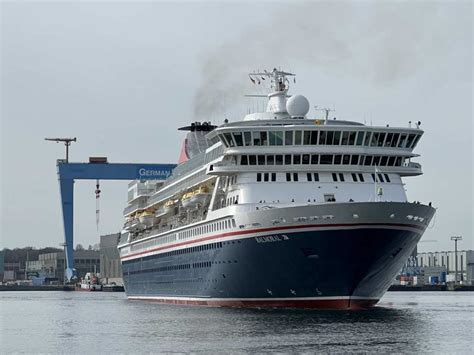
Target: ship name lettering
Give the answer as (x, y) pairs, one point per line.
(268, 239)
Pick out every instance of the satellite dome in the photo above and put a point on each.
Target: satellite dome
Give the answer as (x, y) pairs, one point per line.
(297, 106)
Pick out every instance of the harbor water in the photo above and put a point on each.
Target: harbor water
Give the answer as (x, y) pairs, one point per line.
(81, 322)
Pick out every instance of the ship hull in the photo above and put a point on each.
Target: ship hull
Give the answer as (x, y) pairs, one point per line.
(335, 267)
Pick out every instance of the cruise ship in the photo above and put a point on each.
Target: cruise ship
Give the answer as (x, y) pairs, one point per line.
(276, 210)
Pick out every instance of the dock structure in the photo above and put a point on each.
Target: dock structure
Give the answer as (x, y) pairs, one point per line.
(97, 169)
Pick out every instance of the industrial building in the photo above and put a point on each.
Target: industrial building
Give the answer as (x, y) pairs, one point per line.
(54, 265)
(447, 261)
(110, 266)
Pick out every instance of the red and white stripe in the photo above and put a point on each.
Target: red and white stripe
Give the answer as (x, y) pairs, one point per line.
(251, 233)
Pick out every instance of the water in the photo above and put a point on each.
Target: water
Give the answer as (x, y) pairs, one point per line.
(81, 322)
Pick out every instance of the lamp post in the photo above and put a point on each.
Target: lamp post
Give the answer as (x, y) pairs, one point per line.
(456, 238)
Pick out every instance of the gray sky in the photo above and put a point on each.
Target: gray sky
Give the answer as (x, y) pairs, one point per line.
(122, 76)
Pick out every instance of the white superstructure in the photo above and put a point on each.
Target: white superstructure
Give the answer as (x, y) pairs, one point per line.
(278, 159)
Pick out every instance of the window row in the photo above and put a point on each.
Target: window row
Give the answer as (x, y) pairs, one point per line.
(195, 249)
(310, 177)
(323, 159)
(208, 228)
(320, 137)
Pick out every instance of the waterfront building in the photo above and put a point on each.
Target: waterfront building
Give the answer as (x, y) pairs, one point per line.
(84, 260)
(447, 259)
(110, 266)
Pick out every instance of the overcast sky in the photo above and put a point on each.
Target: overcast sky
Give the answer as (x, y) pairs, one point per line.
(123, 76)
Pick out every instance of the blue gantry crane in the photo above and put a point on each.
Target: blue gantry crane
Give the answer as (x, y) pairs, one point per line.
(96, 169)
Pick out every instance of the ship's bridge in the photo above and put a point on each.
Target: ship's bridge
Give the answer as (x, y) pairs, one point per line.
(316, 143)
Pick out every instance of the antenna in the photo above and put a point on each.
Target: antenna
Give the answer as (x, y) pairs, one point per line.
(67, 143)
(326, 111)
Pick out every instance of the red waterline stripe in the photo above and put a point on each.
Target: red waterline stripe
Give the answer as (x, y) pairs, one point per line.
(251, 231)
(352, 304)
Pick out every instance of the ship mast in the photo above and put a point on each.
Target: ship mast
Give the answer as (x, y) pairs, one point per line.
(279, 86)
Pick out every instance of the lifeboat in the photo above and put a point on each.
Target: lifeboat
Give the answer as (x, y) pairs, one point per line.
(186, 199)
(147, 218)
(200, 195)
(166, 209)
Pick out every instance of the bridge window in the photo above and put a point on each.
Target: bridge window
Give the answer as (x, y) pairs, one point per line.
(337, 138)
(375, 138)
(410, 140)
(296, 159)
(253, 160)
(338, 159)
(346, 159)
(396, 136)
(367, 138)
(381, 139)
(355, 160)
(261, 159)
(306, 137)
(314, 158)
(398, 161)
(244, 160)
(229, 139)
(329, 137)
(288, 159)
(391, 161)
(289, 138)
(275, 138)
(401, 142)
(238, 139)
(270, 160)
(383, 161)
(248, 138)
(388, 141)
(360, 138)
(297, 137)
(376, 160)
(278, 159)
(352, 137)
(345, 138)
(322, 137)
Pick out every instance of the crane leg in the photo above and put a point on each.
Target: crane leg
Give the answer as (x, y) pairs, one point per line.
(67, 198)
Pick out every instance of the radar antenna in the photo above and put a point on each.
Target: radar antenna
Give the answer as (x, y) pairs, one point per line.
(67, 143)
(278, 79)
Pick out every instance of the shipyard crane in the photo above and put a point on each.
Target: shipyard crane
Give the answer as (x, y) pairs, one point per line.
(67, 143)
(95, 169)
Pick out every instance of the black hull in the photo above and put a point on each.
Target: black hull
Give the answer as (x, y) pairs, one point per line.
(348, 267)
